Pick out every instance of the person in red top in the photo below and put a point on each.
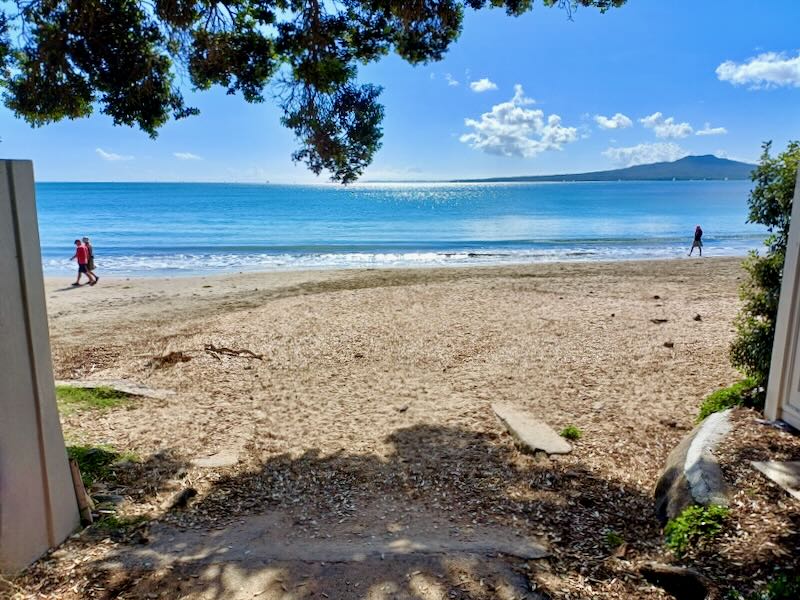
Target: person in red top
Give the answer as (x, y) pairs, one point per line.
(82, 256)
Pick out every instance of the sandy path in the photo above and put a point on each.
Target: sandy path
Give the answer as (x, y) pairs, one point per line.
(373, 395)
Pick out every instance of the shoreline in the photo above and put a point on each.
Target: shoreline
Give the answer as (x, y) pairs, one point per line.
(458, 271)
(161, 275)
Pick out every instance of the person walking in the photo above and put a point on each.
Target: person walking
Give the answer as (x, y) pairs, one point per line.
(698, 241)
(90, 263)
(82, 256)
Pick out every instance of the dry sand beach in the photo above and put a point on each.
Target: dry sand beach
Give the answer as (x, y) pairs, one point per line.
(361, 426)
(344, 350)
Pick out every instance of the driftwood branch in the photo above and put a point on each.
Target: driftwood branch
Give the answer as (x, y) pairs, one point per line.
(215, 351)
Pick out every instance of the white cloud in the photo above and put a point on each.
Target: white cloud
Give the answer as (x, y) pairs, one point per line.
(666, 128)
(111, 155)
(618, 121)
(645, 153)
(510, 129)
(720, 153)
(450, 80)
(186, 156)
(482, 85)
(709, 130)
(768, 70)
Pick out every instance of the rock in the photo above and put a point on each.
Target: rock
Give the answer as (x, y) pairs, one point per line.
(698, 318)
(139, 537)
(108, 499)
(403, 408)
(659, 321)
(682, 583)
(182, 498)
(692, 474)
(669, 344)
(224, 458)
(656, 297)
(530, 433)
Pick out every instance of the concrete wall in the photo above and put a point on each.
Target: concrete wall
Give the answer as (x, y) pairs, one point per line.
(38, 509)
(783, 389)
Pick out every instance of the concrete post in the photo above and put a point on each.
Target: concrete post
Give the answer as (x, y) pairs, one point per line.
(38, 509)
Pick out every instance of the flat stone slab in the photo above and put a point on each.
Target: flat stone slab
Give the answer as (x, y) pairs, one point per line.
(224, 458)
(121, 385)
(273, 537)
(532, 434)
(785, 474)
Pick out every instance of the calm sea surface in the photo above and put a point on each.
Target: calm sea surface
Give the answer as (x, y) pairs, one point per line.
(186, 228)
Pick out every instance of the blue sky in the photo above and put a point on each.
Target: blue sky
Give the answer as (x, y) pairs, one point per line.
(532, 95)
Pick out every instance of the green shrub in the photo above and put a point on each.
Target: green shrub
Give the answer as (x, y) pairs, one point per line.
(779, 587)
(96, 463)
(784, 587)
(694, 525)
(741, 393)
(571, 432)
(771, 205)
(99, 398)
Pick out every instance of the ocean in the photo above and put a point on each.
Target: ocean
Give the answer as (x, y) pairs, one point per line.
(157, 229)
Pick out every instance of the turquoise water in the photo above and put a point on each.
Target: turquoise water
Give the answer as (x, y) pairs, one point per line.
(187, 228)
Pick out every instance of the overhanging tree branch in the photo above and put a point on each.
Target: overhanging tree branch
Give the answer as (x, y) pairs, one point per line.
(62, 59)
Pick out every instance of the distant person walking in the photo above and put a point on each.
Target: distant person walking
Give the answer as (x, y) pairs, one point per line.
(90, 264)
(82, 256)
(698, 240)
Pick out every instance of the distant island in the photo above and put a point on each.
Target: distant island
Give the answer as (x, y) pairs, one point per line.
(707, 166)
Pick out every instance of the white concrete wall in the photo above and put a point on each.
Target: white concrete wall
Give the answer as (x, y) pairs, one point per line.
(783, 389)
(38, 509)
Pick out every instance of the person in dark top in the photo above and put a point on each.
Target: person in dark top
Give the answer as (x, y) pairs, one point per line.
(698, 240)
(90, 263)
(82, 256)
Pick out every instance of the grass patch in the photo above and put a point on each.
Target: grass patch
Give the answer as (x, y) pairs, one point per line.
(97, 462)
(741, 393)
(694, 525)
(613, 539)
(571, 433)
(117, 524)
(100, 398)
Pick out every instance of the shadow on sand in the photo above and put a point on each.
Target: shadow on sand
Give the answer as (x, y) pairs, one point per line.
(448, 513)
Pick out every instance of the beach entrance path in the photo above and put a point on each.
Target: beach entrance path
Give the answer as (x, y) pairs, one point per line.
(393, 555)
(334, 430)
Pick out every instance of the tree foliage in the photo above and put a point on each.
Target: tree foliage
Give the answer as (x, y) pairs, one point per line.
(62, 59)
(771, 205)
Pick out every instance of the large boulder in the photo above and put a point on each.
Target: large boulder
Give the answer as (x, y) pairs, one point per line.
(692, 474)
